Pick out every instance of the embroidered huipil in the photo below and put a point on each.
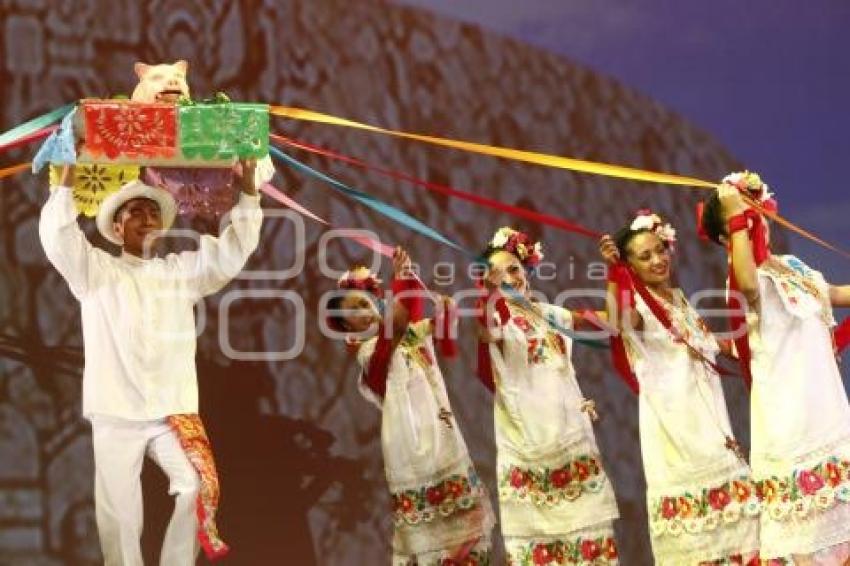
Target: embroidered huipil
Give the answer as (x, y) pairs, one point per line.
(554, 495)
(800, 414)
(701, 500)
(438, 501)
(137, 315)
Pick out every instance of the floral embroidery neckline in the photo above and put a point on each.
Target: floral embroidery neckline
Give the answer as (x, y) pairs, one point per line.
(544, 343)
(795, 278)
(687, 322)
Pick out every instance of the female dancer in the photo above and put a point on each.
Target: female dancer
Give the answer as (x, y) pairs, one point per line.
(702, 505)
(441, 511)
(800, 423)
(557, 504)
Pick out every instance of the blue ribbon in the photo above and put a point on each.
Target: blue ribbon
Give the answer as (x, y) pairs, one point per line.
(375, 204)
(550, 319)
(412, 223)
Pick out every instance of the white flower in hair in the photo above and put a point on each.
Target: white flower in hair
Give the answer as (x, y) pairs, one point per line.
(733, 178)
(358, 273)
(666, 233)
(645, 222)
(538, 250)
(751, 182)
(501, 237)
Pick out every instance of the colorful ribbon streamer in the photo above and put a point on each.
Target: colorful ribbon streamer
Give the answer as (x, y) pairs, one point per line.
(446, 190)
(536, 158)
(14, 169)
(377, 205)
(544, 159)
(29, 138)
(35, 124)
(774, 215)
(374, 245)
(405, 220)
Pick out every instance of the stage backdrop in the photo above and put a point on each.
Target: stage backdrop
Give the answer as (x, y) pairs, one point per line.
(298, 448)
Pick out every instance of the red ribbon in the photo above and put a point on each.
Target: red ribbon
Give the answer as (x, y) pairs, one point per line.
(703, 235)
(761, 251)
(446, 190)
(627, 284)
(620, 276)
(842, 335)
(446, 319)
(29, 138)
(410, 292)
(485, 364)
(375, 376)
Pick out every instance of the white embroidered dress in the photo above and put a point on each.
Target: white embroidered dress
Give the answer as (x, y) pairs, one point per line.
(554, 495)
(701, 501)
(800, 414)
(438, 500)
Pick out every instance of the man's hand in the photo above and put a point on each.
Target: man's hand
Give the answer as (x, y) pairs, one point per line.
(68, 176)
(245, 173)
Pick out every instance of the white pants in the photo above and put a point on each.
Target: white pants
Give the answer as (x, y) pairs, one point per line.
(119, 450)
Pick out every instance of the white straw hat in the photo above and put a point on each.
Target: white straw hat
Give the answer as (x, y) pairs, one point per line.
(133, 190)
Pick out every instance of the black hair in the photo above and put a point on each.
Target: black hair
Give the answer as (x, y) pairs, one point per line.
(124, 204)
(623, 237)
(489, 251)
(712, 219)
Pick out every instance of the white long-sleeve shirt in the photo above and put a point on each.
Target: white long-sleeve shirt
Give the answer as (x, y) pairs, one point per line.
(137, 314)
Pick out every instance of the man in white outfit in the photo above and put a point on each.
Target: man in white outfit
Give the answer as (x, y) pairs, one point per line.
(139, 337)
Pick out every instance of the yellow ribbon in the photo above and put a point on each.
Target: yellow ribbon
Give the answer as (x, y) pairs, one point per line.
(544, 159)
(503, 152)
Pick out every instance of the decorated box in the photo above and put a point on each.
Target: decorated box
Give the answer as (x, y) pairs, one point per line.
(171, 135)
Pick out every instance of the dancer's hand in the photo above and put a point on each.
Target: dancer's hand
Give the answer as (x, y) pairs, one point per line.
(245, 173)
(608, 250)
(401, 264)
(731, 201)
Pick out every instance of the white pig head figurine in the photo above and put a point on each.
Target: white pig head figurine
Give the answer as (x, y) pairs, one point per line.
(161, 83)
